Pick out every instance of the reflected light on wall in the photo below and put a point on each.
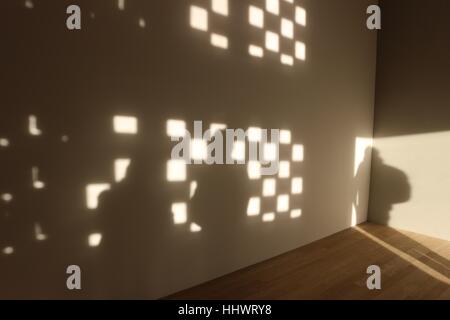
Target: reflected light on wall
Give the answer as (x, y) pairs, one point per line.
(199, 149)
(361, 145)
(195, 228)
(254, 206)
(29, 4)
(38, 234)
(256, 51)
(297, 186)
(219, 41)
(268, 217)
(93, 192)
(272, 41)
(120, 169)
(192, 189)
(4, 142)
(176, 170)
(238, 152)
(270, 151)
(199, 18)
(125, 125)
(8, 250)
(37, 184)
(300, 16)
(142, 22)
(220, 7)
(285, 169)
(256, 17)
(273, 6)
(254, 170)
(287, 60)
(297, 153)
(176, 128)
(121, 4)
(33, 127)
(7, 197)
(285, 137)
(300, 50)
(269, 187)
(179, 212)
(296, 213)
(287, 28)
(283, 203)
(94, 239)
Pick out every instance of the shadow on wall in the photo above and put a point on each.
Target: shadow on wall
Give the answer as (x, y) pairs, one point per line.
(390, 187)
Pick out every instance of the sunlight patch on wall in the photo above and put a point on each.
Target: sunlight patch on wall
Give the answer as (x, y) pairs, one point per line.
(269, 187)
(29, 4)
(179, 212)
(125, 124)
(176, 128)
(38, 233)
(268, 217)
(195, 228)
(8, 251)
(220, 7)
(219, 41)
(94, 239)
(33, 126)
(36, 182)
(142, 23)
(4, 142)
(176, 170)
(121, 4)
(283, 203)
(361, 145)
(93, 192)
(256, 17)
(199, 149)
(287, 28)
(120, 169)
(272, 41)
(300, 16)
(254, 170)
(285, 169)
(192, 189)
(297, 213)
(238, 152)
(273, 6)
(297, 186)
(7, 197)
(214, 127)
(256, 51)
(199, 18)
(285, 137)
(254, 206)
(297, 153)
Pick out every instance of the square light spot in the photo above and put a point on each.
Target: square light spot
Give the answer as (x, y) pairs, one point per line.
(268, 217)
(285, 137)
(93, 192)
(254, 170)
(256, 17)
(179, 212)
(296, 213)
(285, 169)
(287, 60)
(300, 50)
(4, 142)
(199, 18)
(199, 149)
(95, 239)
(283, 203)
(272, 41)
(219, 41)
(270, 152)
(120, 169)
(176, 170)
(287, 28)
(220, 7)
(176, 128)
(269, 187)
(255, 51)
(300, 16)
(254, 206)
(254, 134)
(297, 186)
(297, 153)
(195, 228)
(273, 6)
(238, 152)
(125, 125)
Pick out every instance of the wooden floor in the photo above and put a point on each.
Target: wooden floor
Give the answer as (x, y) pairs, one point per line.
(413, 267)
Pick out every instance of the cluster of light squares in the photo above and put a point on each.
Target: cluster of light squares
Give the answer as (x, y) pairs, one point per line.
(269, 184)
(257, 17)
(199, 18)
